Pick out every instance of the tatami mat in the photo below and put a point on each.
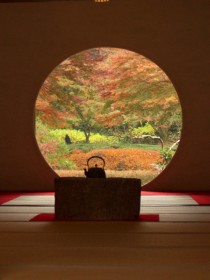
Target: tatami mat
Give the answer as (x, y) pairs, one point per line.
(26, 209)
(177, 209)
(145, 200)
(167, 200)
(32, 200)
(190, 217)
(169, 208)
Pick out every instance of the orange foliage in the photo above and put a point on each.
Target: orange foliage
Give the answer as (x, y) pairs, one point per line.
(118, 159)
(42, 105)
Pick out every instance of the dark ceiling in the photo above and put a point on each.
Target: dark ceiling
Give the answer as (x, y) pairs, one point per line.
(21, 1)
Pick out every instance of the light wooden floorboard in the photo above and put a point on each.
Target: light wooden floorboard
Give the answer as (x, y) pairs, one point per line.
(13, 217)
(105, 240)
(91, 272)
(104, 227)
(93, 251)
(99, 257)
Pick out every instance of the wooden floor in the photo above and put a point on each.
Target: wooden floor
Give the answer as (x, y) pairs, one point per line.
(169, 249)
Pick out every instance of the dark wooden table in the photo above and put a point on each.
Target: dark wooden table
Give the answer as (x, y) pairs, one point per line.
(97, 199)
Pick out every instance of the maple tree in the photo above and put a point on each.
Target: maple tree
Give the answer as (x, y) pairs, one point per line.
(110, 90)
(137, 90)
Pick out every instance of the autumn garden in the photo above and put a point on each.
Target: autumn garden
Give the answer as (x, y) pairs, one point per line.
(112, 103)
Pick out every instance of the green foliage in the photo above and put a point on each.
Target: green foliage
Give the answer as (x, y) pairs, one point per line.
(166, 155)
(64, 163)
(76, 136)
(42, 131)
(59, 161)
(147, 129)
(102, 139)
(63, 148)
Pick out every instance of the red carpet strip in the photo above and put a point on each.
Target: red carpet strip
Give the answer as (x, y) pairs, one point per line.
(44, 217)
(201, 199)
(5, 197)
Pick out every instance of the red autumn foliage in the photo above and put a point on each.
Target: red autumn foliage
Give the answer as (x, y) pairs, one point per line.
(48, 148)
(118, 159)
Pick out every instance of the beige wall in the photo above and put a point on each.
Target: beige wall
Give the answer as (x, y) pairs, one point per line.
(35, 37)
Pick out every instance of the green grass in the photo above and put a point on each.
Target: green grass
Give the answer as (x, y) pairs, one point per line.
(89, 147)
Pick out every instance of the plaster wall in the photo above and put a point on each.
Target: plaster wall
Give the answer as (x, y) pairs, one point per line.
(36, 37)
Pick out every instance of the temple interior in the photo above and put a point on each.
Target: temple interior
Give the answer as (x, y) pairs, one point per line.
(171, 238)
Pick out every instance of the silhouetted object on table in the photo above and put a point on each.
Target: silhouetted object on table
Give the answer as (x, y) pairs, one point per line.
(67, 139)
(95, 172)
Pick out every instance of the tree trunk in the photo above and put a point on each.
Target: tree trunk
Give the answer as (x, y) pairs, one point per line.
(163, 132)
(87, 137)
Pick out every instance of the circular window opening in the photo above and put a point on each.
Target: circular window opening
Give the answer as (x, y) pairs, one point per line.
(111, 103)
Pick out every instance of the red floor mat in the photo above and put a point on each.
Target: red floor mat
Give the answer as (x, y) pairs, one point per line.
(51, 217)
(201, 199)
(5, 197)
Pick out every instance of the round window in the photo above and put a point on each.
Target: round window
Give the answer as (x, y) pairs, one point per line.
(110, 103)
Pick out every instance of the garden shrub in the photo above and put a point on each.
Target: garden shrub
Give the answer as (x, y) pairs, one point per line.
(166, 155)
(147, 129)
(99, 138)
